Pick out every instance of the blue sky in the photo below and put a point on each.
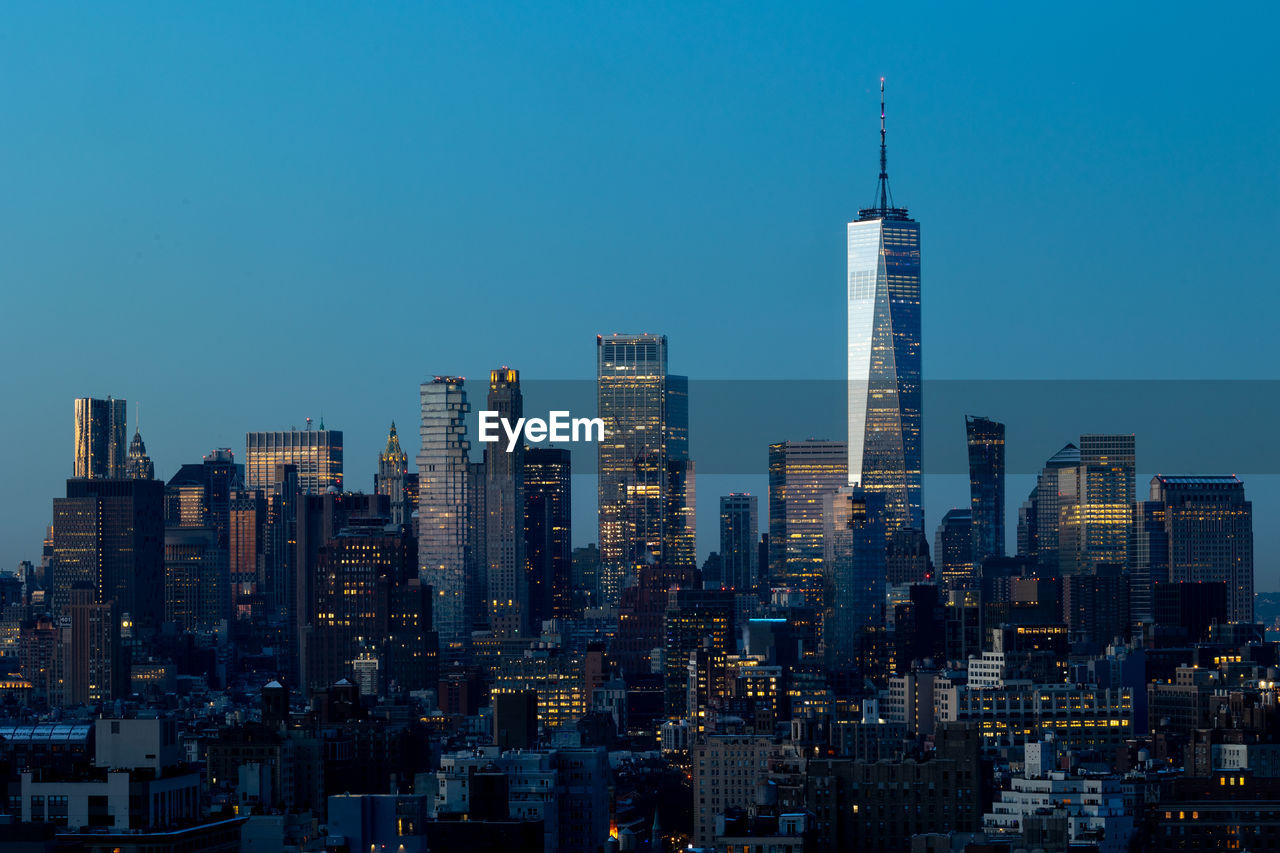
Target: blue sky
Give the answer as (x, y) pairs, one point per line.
(244, 214)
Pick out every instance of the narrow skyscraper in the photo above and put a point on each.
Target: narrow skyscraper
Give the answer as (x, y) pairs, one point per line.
(548, 527)
(739, 541)
(985, 438)
(884, 402)
(508, 587)
(444, 523)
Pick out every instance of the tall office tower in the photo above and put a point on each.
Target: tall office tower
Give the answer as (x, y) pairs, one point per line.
(694, 619)
(109, 535)
(986, 486)
(393, 468)
(739, 545)
(1209, 526)
(854, 572)
(646, 479)
(1047, 504)
(199, 495)
(679, 522)
(359, 571)
(100, 438)
(248, 550)
(1148, 558)
(319, 519)
(508, 583)
(91, 657)
(885, 437)
(1095, 504)
(801, 474)
(953, 550)
(197, 588)
(138, 465)
(548, 544)
(279, 559)
(444, 477)
(316, 453)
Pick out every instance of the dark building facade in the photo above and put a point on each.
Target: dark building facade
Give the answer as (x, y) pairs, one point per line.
(548, 528)
(109, 534)
(985, 438)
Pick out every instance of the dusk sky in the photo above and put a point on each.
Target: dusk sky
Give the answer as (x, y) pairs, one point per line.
(242, 215)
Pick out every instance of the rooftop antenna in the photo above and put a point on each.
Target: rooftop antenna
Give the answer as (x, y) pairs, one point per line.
(884, 156)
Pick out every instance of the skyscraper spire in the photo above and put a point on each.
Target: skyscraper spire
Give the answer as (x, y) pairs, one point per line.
(884, 155)
(882, 207)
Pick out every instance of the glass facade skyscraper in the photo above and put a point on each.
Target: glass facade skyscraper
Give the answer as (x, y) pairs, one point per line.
(508, 586)
(100, 438)
(1095, 504)
(854, 572)
(1042, 528)
(646, 478)
(985, 438)
(801, 475)
(444, 506)
(884, 402)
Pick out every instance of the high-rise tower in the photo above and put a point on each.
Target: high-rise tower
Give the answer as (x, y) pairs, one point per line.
(508, 587)
(801, 475)
(885, 438)
(316, 454)
(100, 438)
(985, 438)
(646, 478)
(548, 525)
(393, 468)
(444, 508)
(740, 541)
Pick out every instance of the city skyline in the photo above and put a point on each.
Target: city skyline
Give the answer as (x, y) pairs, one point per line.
(332, 596)
(151, 251)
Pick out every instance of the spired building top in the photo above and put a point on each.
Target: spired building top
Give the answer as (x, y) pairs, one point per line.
(883, 208)
(885, 400)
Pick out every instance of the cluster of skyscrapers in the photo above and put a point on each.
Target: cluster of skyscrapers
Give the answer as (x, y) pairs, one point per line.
(433, 662)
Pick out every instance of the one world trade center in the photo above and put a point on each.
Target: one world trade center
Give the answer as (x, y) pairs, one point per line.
(885, 439)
